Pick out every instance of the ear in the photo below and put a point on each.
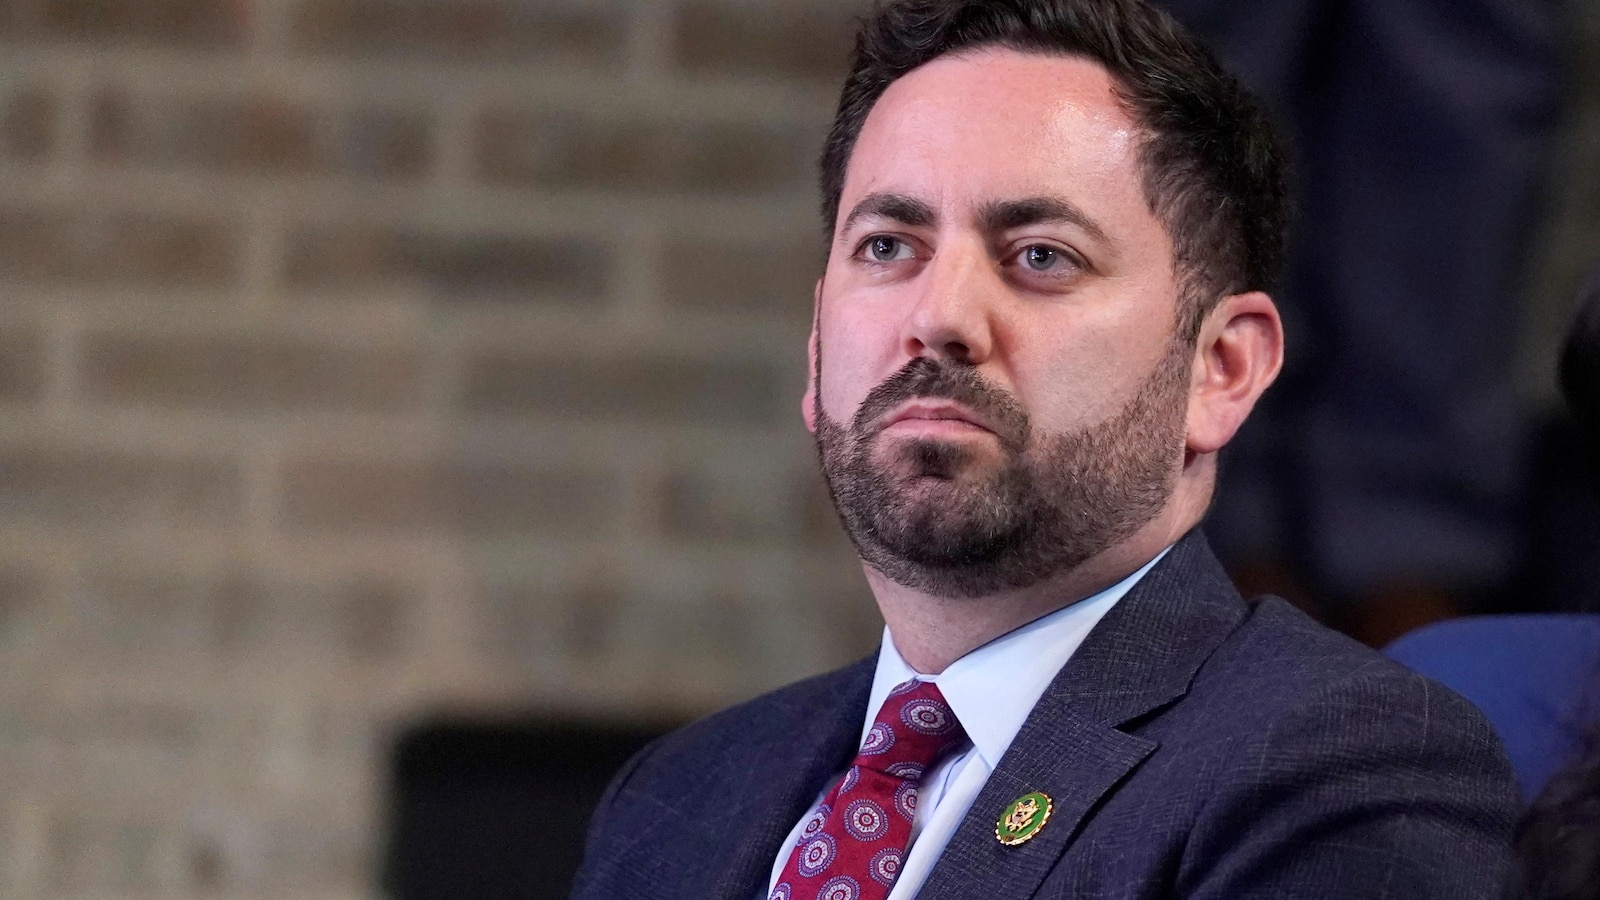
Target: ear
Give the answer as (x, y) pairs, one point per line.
(1237, 355)
(808, 400)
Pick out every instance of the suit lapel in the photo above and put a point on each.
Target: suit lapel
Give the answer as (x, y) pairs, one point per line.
(1140, 658)
(811, 743)
(975, 864)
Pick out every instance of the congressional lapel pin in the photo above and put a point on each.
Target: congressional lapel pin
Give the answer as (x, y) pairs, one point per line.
(1023, 818)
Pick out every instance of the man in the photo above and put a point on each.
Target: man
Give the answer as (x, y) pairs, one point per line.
(1042, 317)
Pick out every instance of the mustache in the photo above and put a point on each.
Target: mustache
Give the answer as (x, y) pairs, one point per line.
(923, 377)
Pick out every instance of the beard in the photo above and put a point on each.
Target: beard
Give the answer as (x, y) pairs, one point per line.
(945, 518)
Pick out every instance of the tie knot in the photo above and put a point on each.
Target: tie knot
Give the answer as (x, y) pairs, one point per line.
(913, 730)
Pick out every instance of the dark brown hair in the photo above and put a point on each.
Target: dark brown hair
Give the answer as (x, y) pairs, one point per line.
(1214, 172)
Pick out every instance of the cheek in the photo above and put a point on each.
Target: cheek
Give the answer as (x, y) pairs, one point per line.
(1065, 395)
(1072, 384)
(857, 352)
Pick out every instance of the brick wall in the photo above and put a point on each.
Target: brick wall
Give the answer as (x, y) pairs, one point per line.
(363, 358)
(366, 358)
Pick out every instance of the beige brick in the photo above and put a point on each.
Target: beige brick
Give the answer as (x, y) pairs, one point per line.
(834, 594)
(643, 390)
(77, 485)
(728, 503)
(727, 276)
(481, 499)
(22, 601)
(242, 610)
(182, 23)
(450, 269)
(364, 495)
(21, 365)
(644, 152)
(229, 850)
(325, 856)
(371, 619)
(565, 31)
(87, 855)
(27, 124)
(171, 727)
(244, 373)
(259, 134)
(57, 245)
(153, 611)
(236, 606)
(790, 40)
(538, 622)
(819, 519)
(364, 618)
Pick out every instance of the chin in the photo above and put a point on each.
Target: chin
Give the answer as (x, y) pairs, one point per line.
(922, 460)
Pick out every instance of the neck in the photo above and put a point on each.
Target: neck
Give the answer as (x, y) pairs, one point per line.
(931, 632)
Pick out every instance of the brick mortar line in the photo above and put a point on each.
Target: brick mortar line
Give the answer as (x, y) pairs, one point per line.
(349, 807)
(638, 329)
(63, 331)
(315, 556)
(634, 305)
(262, 677)
(648, 53)
(262, 475)
(409, 83)
(280, 326)
(359, 319)
(103, 428)
(269, 31)
(482, 210)
(338, 556)
(112, 428)
(445, 617)
(262, 249)
(452, 147)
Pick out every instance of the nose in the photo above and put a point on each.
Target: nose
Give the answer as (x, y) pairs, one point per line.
(951, 315)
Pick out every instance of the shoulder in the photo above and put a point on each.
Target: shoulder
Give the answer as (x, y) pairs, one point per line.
(1315, 742)
(1281, 668)
(1284, 660)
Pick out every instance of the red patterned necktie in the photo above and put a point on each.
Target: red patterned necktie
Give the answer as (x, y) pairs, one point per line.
(852, 846)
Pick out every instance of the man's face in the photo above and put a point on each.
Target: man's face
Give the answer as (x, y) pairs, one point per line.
(998, 392)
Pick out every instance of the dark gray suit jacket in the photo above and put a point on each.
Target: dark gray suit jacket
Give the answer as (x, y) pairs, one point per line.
(1195, 746)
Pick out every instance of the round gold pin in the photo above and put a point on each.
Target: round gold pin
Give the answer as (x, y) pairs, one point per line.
(1023, 819)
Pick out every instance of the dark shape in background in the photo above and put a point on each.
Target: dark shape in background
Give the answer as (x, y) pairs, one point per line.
(497, 810)
(1381, 479)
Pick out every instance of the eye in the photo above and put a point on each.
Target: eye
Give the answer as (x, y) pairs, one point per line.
(1042, 258)
(883, 248)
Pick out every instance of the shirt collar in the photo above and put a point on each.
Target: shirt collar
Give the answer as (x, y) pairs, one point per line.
(993, 688)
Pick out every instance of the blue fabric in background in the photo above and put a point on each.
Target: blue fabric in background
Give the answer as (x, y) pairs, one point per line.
(1537, 678)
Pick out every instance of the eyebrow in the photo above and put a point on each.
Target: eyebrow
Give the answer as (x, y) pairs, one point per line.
(895, 207)
(1004, 215)
(998, 215)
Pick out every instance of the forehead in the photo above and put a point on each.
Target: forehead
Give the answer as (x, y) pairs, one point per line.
(969, 128)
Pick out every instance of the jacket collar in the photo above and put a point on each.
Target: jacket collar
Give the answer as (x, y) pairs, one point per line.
(1141, 657)
(820, 736)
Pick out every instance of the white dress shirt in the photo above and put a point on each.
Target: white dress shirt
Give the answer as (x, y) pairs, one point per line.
(991, 690)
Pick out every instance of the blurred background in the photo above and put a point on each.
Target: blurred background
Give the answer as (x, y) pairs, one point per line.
(393, 391)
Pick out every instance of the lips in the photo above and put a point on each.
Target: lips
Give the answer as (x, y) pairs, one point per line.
(934, 410)
(941, 399)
